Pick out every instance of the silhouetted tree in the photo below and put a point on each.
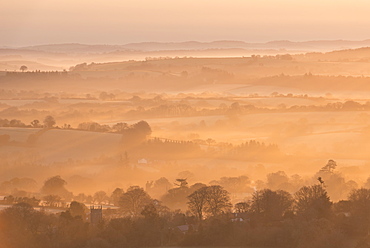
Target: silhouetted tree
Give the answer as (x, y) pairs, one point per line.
(218, 200)
(210, 141)
(312, 202)
(330, 166)
(35, 123)
(100, 197)
(241, 207)
(196, 186)
(160, 187)
(150, 212)
(197, 202)
(23, 68)
(176, 198)
(55, 186)
(22, 226)
(134, 200)
(277, 180)
(136, 134)
(78, 209)
(80, 197)
(359, 206)
(52, 200)
(116, 195)
(120, 127)
(49, 121)
(271, 205)
(239, 184)
(143, 127)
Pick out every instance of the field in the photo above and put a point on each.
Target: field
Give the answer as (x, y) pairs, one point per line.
(185, 124)
(308, 107)
(310, 135)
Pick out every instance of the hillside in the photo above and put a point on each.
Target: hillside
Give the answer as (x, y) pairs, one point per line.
(63, 56)
(318, 45)
(61, 145)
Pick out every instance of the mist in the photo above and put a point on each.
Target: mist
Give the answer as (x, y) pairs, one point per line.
(189, 133)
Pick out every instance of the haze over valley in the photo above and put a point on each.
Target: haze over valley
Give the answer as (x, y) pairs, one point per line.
(184, 124)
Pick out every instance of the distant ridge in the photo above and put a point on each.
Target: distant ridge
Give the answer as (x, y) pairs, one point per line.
(319, 45)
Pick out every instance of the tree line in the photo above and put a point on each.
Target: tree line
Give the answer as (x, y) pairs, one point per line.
(273, 218)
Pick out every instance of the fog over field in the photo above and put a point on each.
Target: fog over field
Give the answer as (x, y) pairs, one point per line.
(283, 112)
(184, 124)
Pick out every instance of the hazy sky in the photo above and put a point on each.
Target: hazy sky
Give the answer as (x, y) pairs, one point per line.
(25, 22)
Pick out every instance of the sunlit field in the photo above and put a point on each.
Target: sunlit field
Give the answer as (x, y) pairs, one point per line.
(173, 124)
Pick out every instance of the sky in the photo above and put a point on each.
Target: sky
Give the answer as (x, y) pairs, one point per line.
(25, 22)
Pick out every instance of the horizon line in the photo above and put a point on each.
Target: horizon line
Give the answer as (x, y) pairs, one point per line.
(181, 42)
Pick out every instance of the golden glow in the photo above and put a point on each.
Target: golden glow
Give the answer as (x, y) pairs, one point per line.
(119, 22)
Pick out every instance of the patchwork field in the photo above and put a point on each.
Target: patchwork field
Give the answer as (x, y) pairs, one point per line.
(221, 116)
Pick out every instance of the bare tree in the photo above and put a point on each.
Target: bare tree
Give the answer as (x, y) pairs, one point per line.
(100, 197)
(134, 200)
(218, 200)
(197, 202)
